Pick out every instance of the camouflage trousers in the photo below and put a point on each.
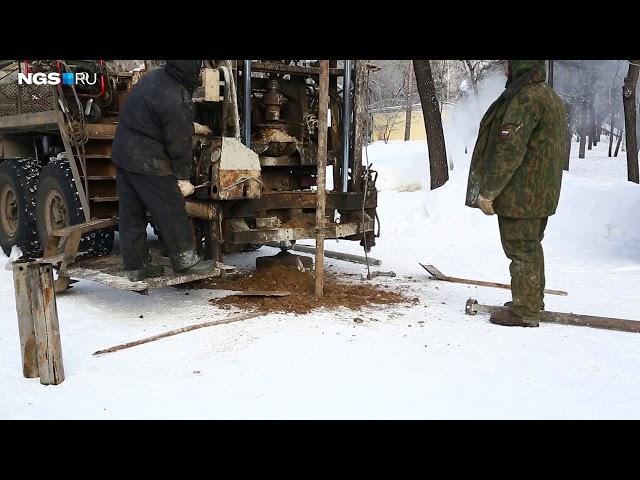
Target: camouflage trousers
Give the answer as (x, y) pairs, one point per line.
(521, 241)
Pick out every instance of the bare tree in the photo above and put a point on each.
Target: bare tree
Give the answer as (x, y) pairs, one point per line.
(386, 100)
(567, 143)
(409, 112)
(438, 166)
(385, 122)
(478, 69)
(629, 105)
(620, 137)
(472, 68)
(614, 113)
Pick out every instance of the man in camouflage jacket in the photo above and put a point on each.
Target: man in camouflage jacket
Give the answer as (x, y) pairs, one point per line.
(516, 172)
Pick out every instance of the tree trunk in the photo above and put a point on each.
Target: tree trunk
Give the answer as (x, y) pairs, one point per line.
(595, 127)
(590, 126)
(438, 167)
(583, 129)
(611, 122)
(569, 123)
(615, 154)
(407, 121)
(629, 104)
(472, 76)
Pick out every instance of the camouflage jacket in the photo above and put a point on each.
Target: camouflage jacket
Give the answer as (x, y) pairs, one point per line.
(518, 157)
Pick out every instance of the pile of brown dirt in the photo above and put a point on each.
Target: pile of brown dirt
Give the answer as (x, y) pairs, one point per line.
(301, 285)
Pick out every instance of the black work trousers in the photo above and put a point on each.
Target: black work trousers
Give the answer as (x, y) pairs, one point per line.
(161, 196)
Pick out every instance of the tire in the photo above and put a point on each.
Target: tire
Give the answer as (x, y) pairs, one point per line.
(18, 184)
(58, 206)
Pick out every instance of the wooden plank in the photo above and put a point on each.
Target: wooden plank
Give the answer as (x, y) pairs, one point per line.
(177, 279)
(580, 320)
(70, 250)
(105, 278)
(45, 321)
(177, 331)
(57, 258)
(101, 130)
(323, 108)
(25, 321)
(96, 156)
(48, 119)
(103, 199)
(472, 307)
(98, 149)
(123, 283)
(91, 225)
(260, 293)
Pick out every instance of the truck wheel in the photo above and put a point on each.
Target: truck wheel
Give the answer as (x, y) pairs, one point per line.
(18, 183)
(58, 206)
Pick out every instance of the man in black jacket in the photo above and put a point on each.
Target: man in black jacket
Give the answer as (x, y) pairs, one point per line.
(152, 151)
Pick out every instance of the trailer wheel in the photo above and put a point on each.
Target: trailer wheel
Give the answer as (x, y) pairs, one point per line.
(18, 183)
(58, 206)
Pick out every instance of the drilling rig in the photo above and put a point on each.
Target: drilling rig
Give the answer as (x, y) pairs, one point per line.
(256, 171)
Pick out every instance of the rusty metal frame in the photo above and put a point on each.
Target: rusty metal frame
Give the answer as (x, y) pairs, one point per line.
(289, 200)
(337, 230)
(292, 69)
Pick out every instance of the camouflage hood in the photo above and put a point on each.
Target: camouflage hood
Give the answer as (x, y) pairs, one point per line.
(517, 68)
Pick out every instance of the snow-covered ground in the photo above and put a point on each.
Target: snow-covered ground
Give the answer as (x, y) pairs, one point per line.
(425, 361)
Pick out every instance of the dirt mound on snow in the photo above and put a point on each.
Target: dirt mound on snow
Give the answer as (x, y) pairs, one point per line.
(301, 285)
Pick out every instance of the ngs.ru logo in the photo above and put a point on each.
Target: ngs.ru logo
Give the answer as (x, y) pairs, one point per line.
(53, 78)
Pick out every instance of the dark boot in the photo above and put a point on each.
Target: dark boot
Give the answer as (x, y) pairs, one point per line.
(509, 303)
(184, 261)
(201, 267)
(189, 262)
(147, 271)
(505, 317)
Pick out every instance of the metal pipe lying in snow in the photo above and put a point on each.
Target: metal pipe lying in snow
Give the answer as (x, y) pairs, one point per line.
(348, 257)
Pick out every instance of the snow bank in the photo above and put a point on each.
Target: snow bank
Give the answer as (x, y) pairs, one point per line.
(401, 166)
(592, 214)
